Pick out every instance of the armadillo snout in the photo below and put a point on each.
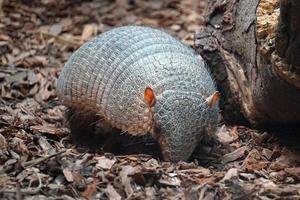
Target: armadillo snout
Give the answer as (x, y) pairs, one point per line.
(181, 119)
(174, 150)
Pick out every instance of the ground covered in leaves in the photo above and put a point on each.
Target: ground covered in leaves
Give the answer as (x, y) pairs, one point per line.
(37, 158)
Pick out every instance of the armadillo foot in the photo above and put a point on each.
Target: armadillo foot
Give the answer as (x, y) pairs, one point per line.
(93, 134)
(87, 131)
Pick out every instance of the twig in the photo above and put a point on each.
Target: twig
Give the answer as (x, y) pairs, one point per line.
(28, 190)
(21, 57)
(134, 155)
(61, 39)
(32, 163)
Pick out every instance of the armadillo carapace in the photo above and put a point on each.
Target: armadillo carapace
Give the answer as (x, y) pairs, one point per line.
(143, 81)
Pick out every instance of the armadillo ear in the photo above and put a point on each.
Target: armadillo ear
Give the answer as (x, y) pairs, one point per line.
(213, 99)
(149, 96)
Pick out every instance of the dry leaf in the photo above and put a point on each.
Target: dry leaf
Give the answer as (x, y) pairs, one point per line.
(68, 175)
(237, 154)
(231, 173)
(90, 190)
(199, 171)
(267, 153)
(55, 29)
(47, 129)
(44, 144)
(88, 31)
(125, 179)
(1, 8)
(255, 161)
(2, 142)
(224, 135)
(295, 172)
(112, 193)
(105, 163)
(36, 40)
(4, 37)
(169, 181)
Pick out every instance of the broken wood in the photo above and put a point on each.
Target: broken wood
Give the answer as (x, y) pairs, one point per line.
(254, 59)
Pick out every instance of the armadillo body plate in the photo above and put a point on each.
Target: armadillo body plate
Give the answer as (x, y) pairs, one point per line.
(109, 74)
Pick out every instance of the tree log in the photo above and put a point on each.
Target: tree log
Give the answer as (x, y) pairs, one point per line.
(253, 50)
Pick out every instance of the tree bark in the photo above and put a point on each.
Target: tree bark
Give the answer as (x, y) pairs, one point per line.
(253, 50)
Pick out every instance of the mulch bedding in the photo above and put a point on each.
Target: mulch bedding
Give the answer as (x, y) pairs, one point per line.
(37, 157)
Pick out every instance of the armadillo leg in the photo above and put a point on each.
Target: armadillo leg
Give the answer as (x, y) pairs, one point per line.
(85, 131)
(90, 131)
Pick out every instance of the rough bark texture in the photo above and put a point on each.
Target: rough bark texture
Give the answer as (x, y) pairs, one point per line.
(258, 80)
(288, 34)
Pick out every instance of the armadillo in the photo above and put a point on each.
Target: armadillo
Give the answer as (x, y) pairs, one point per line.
(142, 80)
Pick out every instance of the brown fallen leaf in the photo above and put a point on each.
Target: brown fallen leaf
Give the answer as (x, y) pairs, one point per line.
(90, 190)
(36, 61)
(255, 161)
(152, 163)
(44, 144)
(66, 24)
(139, 178)
(15, 60)
(77, 177)
(204, 180)
(23, 148)
(287, 159)
(295, 172)
(193, 17)
(169, 181)
(2, 142)
(105, 163)
(149, 21)
(234, 133)
(267, 153)
(247, 176)
(150, 193)
(55, 29)
(47, 129)
(185, 165)
(88, 31)
(125, 174)
(68, 175)
(224, 135)
(278, 176)
(46, 90)
(199, 171)
(4, 180)
(131, 158)
(237, 154)
(112, 193)
(1, 8)
(175, 27)
(231, 173)
(4, 37)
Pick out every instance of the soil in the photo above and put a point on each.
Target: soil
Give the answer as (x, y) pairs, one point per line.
(37, 157)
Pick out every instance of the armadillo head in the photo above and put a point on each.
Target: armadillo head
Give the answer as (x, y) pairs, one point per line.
(181, 120)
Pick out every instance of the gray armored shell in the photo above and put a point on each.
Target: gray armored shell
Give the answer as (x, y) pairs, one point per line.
(109, 74)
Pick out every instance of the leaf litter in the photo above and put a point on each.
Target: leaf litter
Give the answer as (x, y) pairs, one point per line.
(37, 157)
